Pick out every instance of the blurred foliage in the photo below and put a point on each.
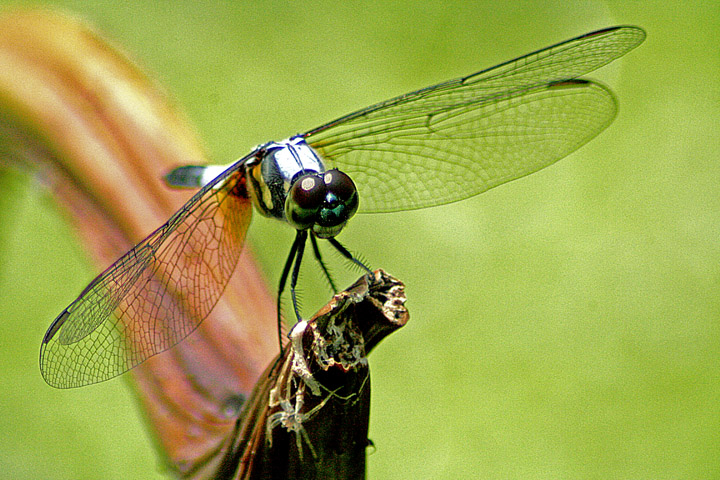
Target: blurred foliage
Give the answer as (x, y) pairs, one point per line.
(565, 325)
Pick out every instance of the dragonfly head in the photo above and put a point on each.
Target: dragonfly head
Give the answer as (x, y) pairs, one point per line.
(321, 201)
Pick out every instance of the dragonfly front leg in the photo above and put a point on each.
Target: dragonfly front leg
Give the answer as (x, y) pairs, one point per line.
(318, 257)
(299, 239)
(346, 253)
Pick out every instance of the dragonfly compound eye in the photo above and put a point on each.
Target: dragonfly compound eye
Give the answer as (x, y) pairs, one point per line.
(341, 203)
(343, 189)
(304, 200)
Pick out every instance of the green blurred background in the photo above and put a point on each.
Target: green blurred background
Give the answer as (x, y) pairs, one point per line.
(562, 326)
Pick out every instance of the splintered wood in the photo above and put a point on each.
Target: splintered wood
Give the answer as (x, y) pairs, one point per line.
(308, 416)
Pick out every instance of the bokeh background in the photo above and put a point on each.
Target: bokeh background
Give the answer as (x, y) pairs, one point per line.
(562, 326)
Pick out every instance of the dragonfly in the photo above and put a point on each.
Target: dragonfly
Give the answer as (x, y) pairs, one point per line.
(437, 145)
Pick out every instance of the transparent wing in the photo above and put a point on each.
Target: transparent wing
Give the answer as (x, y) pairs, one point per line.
(156, 294)
(459, 138)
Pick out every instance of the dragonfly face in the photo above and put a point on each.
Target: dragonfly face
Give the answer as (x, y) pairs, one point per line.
(288, 181)
(437, 145)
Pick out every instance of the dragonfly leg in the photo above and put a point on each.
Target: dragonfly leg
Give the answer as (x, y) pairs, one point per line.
(346, 253)
(318, 257)
(300, 240)
(281, 287)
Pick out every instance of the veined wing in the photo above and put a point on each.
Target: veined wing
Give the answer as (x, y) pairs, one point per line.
(459, 138)
(156, 294)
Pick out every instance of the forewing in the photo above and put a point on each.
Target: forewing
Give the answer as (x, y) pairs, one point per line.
(156, 294)
(459, 138)
(566, 60)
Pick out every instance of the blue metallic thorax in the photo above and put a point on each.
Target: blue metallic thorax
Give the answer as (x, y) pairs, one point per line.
(270, 177)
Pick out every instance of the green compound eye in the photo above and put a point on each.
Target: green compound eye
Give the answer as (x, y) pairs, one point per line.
(344, 189)
(341, 201)
(304, 200)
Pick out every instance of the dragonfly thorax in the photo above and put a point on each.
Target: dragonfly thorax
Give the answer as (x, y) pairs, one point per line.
(289, 182)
